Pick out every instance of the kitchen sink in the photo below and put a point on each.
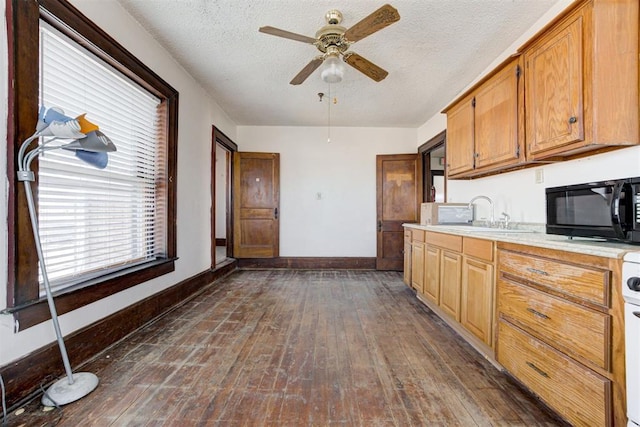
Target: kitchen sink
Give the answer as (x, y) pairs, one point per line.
(479, 229)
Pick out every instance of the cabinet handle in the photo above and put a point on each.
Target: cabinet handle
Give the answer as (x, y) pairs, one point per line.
(537, 313)
(536, 271)
(538, 370)
(573, 119)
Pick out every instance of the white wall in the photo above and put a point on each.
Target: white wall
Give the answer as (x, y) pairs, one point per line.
(517, 193)
(327, 190)
(196, 115)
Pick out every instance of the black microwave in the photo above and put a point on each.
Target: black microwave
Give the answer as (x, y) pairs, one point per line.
(606, 209)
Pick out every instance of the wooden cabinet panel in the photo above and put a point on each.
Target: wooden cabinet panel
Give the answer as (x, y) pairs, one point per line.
(497, 119)
(443, 240)
(450, 280)
(581, 81)
(485, 126)
(460, 144)
(406, 273)
(432, 273)
(578, 393)
(576, 330)
(573, 280)
(417, 266)
(554, 82)
(478, 248)
(476, 311)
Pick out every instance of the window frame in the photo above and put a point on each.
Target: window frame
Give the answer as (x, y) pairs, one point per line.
(23, 299)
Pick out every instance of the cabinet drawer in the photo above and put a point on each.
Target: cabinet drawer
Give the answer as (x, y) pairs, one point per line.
(447, 241)
(583, 282)
(478, 248)
(417, 235)
(577, 393)
(571, 327)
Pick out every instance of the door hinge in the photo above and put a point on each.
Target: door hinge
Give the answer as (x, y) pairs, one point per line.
(518, 71)
(517, 150)
(473, 102)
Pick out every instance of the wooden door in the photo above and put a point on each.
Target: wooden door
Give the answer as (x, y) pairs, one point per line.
(554, 90)
(399, 194)
(256, 185)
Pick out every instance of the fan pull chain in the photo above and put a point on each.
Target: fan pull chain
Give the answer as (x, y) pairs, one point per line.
(329, 117)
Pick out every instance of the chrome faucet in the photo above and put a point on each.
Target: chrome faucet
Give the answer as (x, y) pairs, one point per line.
(491, 219)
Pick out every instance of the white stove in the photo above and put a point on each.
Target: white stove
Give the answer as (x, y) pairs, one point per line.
(631, 294)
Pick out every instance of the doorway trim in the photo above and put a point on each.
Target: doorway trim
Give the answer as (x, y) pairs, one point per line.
(440, 140)
(219, 139)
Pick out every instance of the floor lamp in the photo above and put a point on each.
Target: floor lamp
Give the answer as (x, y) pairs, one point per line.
(90, 145)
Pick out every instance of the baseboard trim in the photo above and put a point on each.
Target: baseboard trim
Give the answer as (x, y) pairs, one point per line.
(334, 263)
(23, 377)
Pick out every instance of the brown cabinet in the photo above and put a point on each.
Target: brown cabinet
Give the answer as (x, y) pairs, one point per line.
(485, 127)
(459, 284)
(572, 91)
(417, 264)
(431, 288)
(581, 79)
(477, 297)
(579, 394)
(555, 330)
(450, 282)
(407, 257)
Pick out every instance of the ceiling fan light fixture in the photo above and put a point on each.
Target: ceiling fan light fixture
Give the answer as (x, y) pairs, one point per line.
(332, 69)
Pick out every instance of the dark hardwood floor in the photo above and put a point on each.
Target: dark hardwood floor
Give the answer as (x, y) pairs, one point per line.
(297, 348)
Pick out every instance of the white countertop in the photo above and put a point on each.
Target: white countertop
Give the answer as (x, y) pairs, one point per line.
(581, 245)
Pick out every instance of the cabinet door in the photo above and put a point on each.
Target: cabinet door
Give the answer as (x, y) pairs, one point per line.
(460, 152)
(554, 89)
(407, 262)
(476, 311)
(497, 112)
(450, 276)
(417, 266)
(432, 274)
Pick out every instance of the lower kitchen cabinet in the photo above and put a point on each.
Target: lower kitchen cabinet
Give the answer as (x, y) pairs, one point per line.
(459, 284)
(560, 332)
(552, 319)
(407, 257)
(577, 393)
(450, 282)
(476, 311)
(417, 259)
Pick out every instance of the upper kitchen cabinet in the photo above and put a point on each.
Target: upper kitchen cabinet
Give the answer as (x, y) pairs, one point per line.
(581, 81)
(485, 126)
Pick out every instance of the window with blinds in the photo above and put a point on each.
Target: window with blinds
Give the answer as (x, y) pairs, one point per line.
(93, 222)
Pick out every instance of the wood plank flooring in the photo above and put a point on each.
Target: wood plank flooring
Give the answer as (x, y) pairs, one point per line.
(297, 348)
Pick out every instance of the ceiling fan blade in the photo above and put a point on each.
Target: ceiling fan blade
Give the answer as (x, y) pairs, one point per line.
(365, 66)
(307, 70)
(379, 19)
(287, 34)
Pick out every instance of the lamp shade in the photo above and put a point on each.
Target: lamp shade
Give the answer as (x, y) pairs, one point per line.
(332, 70)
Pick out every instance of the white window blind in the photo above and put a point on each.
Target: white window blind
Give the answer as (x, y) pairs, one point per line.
(92, 221)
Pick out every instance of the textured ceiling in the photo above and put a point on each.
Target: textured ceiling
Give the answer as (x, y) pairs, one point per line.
(436, 49)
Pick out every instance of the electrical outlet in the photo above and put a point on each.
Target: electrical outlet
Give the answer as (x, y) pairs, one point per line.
(539, 176)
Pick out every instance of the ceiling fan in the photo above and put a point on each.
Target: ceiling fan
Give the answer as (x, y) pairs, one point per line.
(333, 41)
